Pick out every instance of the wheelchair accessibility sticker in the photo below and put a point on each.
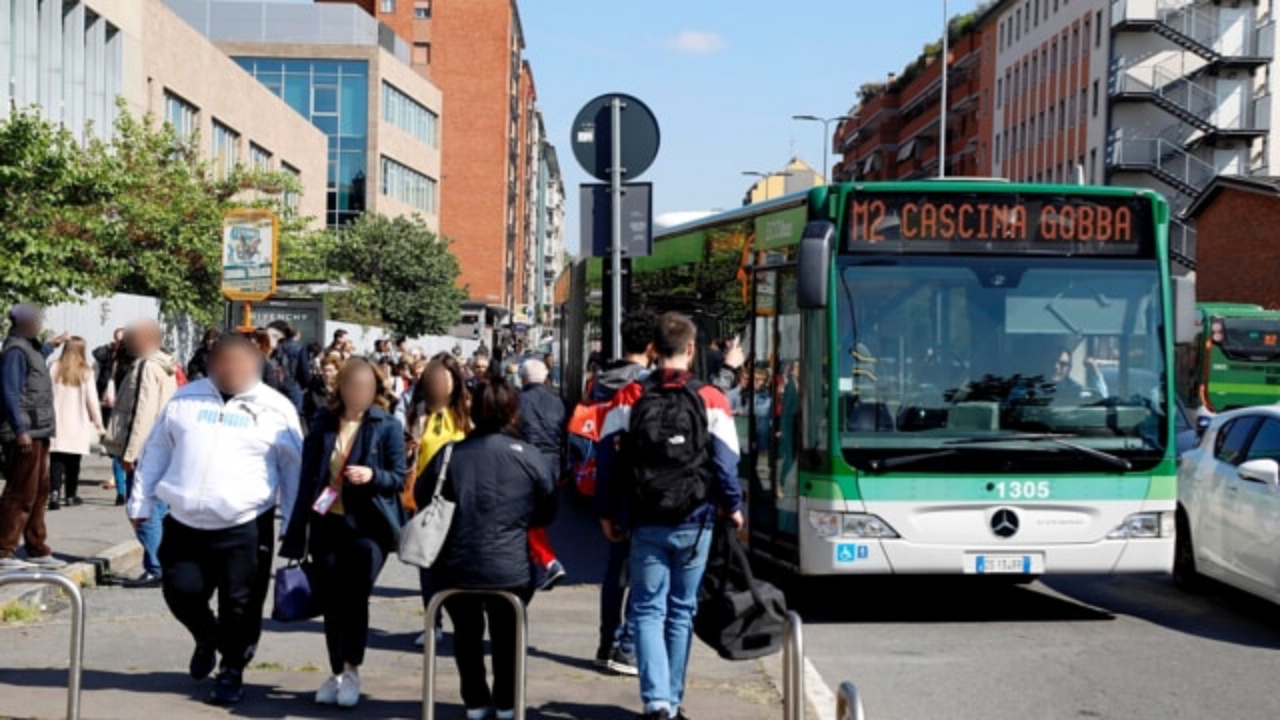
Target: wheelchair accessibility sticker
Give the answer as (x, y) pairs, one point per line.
(849, 553)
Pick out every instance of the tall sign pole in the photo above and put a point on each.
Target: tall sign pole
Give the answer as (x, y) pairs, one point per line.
(617, 220)
(615, 245)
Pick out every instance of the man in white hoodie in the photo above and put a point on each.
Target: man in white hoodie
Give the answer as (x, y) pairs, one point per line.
(224, 452)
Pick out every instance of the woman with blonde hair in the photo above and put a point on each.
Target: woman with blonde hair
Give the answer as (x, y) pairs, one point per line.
(78, 415)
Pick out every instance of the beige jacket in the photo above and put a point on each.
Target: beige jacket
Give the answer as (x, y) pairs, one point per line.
(78, 413)
(146, 389)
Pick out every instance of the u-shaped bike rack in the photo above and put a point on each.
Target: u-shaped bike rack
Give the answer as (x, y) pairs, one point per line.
(75, 670)
(429, 652)
(848, 703)
(793, 668)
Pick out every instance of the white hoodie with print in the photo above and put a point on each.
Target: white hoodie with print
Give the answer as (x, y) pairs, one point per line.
(220, 464)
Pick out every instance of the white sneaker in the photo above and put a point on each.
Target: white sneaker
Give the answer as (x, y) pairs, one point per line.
(328, 692)
(349, 689)
(506, 715)
(478, 714)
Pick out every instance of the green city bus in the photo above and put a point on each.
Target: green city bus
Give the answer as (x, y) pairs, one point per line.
(950, 376)
(1235, 360)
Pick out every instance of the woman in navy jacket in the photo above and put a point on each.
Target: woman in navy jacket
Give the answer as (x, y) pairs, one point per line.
(348, 515)
(503, 488)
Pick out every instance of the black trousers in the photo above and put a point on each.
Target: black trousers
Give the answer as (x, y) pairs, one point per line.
(468, 613)
(349, 563)
(234, 562)
(64, 473)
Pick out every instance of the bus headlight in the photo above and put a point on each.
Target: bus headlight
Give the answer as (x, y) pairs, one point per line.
(832, 524)
(826, 524)
(867, 526)
(1144, 525)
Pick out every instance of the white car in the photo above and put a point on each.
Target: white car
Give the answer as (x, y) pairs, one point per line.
(1228, 522)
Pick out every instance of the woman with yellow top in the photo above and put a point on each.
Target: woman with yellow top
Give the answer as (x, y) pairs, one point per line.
(348, 515)
(438, 414)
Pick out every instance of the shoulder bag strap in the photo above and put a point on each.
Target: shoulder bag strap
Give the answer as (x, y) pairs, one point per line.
(444, 470)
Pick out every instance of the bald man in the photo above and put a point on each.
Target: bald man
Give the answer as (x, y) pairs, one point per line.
(151, 381)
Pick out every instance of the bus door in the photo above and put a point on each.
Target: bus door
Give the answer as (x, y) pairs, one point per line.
(770, 406)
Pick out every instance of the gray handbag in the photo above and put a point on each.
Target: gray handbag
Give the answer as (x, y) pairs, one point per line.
(424, 535)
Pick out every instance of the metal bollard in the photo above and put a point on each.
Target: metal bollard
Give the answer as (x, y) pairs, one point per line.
(429, 654)
(793, 668)
(75, 670)
(848, 703)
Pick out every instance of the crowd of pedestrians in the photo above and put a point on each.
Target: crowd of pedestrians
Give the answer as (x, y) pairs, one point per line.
(346, 448)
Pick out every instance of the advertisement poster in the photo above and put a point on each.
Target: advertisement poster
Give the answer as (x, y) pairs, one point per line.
(249, 255)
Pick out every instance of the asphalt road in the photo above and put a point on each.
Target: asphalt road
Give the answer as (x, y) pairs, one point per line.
(1128, 647)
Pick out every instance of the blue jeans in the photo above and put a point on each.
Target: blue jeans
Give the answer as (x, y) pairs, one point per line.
(149, 532)
(667, 565)
(121, 478)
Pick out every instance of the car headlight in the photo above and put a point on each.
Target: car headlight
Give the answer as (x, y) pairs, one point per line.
(1144, 525)
(832, 524)
(866, 526)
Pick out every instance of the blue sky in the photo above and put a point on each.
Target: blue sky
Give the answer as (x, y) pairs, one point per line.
(723, 78)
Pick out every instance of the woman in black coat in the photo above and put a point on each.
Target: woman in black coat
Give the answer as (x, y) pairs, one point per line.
(348, 516)
(502, 488)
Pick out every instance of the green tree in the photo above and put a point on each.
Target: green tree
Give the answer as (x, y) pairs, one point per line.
(52, 213)
(403, 274)
(138, 213)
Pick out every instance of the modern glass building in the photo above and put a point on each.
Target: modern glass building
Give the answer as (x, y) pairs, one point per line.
(334, 96)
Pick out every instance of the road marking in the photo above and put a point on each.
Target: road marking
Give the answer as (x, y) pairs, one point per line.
(817, 693)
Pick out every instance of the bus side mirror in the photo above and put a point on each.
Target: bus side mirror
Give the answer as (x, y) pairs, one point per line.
(1184, 310)
(814, 264)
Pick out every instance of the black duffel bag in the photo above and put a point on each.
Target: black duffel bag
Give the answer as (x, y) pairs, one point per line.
(740, 617)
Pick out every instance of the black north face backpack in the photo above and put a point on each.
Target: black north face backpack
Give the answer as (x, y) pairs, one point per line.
(667, 451)
(739, 616)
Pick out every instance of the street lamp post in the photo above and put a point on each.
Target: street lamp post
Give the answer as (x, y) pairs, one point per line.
(826, 138)
(942, 108)
(766, 176)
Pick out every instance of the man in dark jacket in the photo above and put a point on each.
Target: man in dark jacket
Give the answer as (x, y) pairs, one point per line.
(26, 426)
(291, 363)
(542, 424)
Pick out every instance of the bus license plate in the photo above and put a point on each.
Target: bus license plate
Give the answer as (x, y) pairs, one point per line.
(1002, 564)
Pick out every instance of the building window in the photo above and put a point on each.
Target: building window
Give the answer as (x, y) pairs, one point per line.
(999, 93)
(334, 96)
(387, 6)
(259, 158)
(1084, 46)
(409, 186)
(226, 149)
(1084, 107)
(1052, 125)
(1062, 116)
(1035, 17)
(1093, 166)
(1071, 111)
(1097, 30)
(422, 9)
(1053, 53)
(291, 198)
(1064, 50)
(182, 115)
(422, 53)
(1095, 98)
(409, 115)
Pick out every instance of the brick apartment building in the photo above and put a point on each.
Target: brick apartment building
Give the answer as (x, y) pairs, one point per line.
(473, 50)
(1236, 217)
(894, 130)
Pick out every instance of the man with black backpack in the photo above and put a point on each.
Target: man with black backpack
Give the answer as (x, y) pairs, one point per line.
(668, 465)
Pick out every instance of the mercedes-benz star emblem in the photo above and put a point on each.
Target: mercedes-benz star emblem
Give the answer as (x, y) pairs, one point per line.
(1004, 523)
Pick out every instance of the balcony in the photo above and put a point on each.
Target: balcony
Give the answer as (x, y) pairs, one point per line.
(1197, 28)
(1192, 103)
(1166, 161)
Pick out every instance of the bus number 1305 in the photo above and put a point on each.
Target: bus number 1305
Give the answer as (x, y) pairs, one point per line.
(1021, 490)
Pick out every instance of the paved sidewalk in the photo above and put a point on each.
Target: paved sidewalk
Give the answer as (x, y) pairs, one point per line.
(136, 654)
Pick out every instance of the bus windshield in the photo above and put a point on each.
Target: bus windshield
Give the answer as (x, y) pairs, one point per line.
(993, 353)
(1255, 339)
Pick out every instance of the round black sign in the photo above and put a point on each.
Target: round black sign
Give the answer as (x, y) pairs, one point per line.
(592, 137)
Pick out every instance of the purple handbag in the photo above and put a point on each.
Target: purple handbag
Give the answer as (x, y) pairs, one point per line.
(294, 600)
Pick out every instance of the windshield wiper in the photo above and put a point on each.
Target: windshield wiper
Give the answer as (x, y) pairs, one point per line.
(1059, 440)
(881, 465)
